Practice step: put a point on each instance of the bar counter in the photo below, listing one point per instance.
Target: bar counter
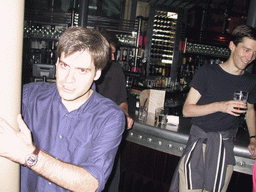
(174, 141)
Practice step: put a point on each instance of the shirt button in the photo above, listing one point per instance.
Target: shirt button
(66, 115)
(50, 183)
(61, 136)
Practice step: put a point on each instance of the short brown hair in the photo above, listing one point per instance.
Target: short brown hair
(76, 39)
(242, 31)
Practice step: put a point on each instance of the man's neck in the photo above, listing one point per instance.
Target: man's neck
(228, 66)
(75, 104)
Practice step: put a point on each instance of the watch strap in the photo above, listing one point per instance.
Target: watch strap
(36, 151)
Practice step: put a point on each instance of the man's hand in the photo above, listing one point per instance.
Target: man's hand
(233, 107)
(252, 148)
(129, 122)
(15, 145)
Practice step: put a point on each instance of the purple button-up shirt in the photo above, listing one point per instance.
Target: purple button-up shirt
(87, 137)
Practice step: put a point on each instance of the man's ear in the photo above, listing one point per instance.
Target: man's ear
(97, 74)
(231, 45)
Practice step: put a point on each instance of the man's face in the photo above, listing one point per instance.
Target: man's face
(74, 77)
(244, 53)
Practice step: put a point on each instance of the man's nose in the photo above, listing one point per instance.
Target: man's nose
(70, 76)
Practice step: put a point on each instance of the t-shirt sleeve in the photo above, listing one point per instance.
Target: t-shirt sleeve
(199, 80)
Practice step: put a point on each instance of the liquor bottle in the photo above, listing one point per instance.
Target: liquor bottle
(124, 54)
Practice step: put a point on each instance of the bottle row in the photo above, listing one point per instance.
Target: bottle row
(163, 37)
(161, 59)
(44, 31)
(207, 49)
(152, 83)
(125, 54)
(164, 20)
(127, 39)
(129, 54)
(165, 16)
(161, 49)
(139, 67)
(160, 70)
(163, 28)
(167, 44)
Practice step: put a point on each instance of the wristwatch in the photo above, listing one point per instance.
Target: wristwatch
(32, 159)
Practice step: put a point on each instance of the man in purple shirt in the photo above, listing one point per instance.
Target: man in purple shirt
(76, 131)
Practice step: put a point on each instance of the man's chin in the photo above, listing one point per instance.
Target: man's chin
(67, 97)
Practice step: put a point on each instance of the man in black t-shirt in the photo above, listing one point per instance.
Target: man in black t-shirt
(112, 81)
(207, 162)
(112, 85)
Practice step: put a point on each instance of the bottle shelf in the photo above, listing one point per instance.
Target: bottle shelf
(163, 38)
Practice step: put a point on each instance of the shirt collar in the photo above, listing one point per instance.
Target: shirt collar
(82, 109)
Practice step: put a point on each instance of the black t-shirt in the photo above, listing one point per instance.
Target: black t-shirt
(214, 84)
(112, 83)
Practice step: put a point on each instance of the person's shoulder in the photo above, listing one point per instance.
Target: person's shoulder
(250, 75)
(104, 103)
(116, 66)
(207, 68)
(39, 86)
(35, 89)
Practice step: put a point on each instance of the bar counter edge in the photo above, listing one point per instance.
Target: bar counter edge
(174, 142)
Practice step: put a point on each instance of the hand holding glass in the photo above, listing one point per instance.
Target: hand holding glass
(241, 96)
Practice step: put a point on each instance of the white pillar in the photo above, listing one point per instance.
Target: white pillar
(11, 39)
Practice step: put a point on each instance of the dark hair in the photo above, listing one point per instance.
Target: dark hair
(243, 31)
(76, 39)
(110, 36)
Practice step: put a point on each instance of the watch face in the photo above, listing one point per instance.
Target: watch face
(31, 160)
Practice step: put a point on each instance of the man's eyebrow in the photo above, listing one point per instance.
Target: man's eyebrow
(84, 68)
(247, 47)
(62, 62)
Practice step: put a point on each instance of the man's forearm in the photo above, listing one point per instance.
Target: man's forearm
(68, 176)
(124, 107)
(250, 121)
(194, 110)
(129, 120)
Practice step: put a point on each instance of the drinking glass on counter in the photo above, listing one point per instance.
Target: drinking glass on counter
(161, 117)
(143, 113)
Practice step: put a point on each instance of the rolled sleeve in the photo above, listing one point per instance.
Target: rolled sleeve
(105, 146)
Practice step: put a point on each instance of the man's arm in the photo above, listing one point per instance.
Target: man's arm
(129, 120)
(16, 145)
(68, 176)
(191, 109)
(250, 121)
